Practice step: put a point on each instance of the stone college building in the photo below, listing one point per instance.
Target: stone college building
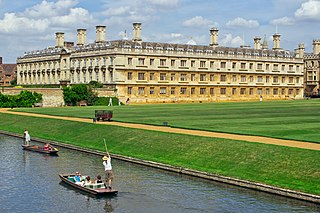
(151, 72)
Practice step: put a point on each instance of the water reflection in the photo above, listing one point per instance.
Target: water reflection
(30, 182)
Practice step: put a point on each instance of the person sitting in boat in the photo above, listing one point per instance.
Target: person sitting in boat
(78, 179)
(47, 147)
(99, 180)
(87, 181)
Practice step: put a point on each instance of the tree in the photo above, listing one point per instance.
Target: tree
(23, 99)
(79, 92)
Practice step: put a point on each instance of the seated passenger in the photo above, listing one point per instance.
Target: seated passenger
(78, 179)
(99, 179)
(87, 181)
(46, 147)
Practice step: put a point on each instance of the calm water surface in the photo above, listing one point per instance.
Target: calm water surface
(30, 183)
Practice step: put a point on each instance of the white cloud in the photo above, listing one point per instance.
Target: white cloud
(49, 9)
(117, 11)
(241, 22)
(164, 3)
(198, 21)
(283, 21)
(309, 10)
(78, 16)
(11, 23)
(230, 41)
(45, 17)
(176, 35)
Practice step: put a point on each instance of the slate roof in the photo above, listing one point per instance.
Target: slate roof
(160, 46)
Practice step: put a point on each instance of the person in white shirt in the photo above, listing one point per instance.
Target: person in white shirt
(108, 170)
(26, 137)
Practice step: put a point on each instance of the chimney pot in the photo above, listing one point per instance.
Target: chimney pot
(316, 46)
(137, 31)
(214, 37)
(257, 43)
(59, 39)
(100, 34)
(276, 41)
(82, 37)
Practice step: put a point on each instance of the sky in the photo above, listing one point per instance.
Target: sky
(27, 25)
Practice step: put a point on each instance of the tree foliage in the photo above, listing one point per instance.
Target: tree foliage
(23, 99)
(95, 84)
(79, 92)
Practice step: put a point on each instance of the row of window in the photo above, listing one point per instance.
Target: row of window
(211, 77)
(74, 78)
(74, 62)
(211, 91)
(212, 64)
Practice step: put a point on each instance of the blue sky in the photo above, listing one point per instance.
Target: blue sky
(27, 25)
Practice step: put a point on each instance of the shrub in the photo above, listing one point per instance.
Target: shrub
(23, 99)
(79, 92)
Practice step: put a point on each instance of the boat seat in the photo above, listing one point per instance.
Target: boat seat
(95, 185)
(71, 179)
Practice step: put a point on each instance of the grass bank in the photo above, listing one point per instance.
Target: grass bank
(285, 167)
(296, 120)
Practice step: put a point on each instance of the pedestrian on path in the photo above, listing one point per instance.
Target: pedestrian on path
(110, 102)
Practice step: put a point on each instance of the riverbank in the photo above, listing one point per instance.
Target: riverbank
(275, 166)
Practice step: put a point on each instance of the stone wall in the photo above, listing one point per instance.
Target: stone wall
(51, 97)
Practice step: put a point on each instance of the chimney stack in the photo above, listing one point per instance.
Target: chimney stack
(301, 50)
(82, 37)
(214, 37)
(0, 60)
(276, 41)
(137, 31)
(257, 43)
(59, 39)
(100, 34)
(316, 46)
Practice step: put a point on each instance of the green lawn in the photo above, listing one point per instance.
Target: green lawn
(286, 167)
(297, 120)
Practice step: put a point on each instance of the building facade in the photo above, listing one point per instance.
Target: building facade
(312, 71)
(151, 72)
(7, 73)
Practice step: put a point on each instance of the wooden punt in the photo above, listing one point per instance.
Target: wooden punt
(94, 189)
(40, 149)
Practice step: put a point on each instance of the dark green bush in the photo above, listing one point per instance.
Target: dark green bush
(23, 99)
(79, 92)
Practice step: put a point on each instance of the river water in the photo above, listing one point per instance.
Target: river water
(30, 183)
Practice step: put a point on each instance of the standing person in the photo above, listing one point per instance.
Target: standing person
(108, 170)
(110, 102)
(260, 97)
(128, 101)
(26, 137)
